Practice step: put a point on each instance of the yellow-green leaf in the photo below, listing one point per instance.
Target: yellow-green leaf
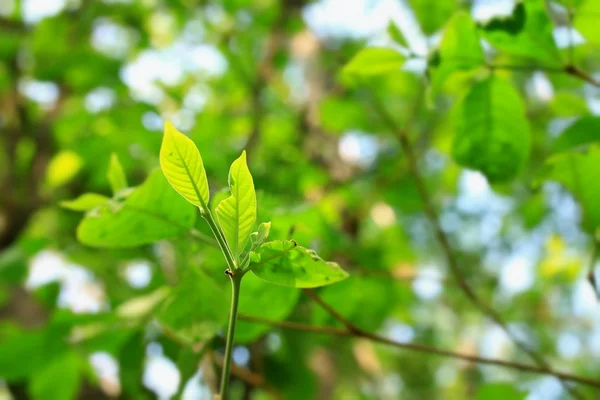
(285, 263)
(116, 174)
(237, 213)
(374, 61)
(182, 165)
(85, 202)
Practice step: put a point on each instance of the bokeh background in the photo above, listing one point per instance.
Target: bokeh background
(83, 79)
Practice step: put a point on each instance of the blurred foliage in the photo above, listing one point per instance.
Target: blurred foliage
(110, 285)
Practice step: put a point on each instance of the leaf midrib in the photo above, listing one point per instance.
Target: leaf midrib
(187, 171)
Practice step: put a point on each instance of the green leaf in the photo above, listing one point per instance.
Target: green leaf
(262, 299)
(396, 34)
(499, 391)
(586, 21)
(432, 14)
(526, 33)
(584, 131)
(197, 308)
(285, 263)
(237, 213)
(59, 379)
(580, 173)
(85, 202)
(182, 165)
(257, 238)
(141, 306)
(374, 61)
(152, 212)
(116, 174)
(492, 133)
(460, 49)
(20, 355)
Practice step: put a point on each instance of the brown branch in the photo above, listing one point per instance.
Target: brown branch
(591, 276)
(249, 377)
(442, 239)
(578, 73)
(359, 333)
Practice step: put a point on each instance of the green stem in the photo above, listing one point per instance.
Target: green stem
(220, 239)
(236, 281)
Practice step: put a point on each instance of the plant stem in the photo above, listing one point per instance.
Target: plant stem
(236, 281)
(207, 215)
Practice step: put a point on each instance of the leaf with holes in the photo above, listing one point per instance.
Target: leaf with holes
(182, 165)
(151, 212)
(492, 134)
(285, 263)
(237, 213)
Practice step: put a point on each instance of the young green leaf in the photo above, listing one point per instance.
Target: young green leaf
(374, 61)
(237, 213)
(492, 134)
(116, 174)
(182, 165)
(85, 202)
(285, 263)
(257, 238)
(396, 34)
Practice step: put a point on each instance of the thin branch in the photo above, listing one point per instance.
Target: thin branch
(248, 377)
(457, 273)
(591, 276)
(578, 73)
(358, 333)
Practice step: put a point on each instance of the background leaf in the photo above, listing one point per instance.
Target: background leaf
(151, 212)
(116, 174)
(374, 61)
(85, 202)
(486, 140)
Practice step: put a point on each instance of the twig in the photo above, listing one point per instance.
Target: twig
(359, 333)
(248, 376)
(442, 239)
(591, 276)
(576, 72)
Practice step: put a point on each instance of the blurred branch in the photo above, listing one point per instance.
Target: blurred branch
(591, 276)
(264, 71)
(568, 69)
(353, 331)
(11, 25)
(442, 239)
(248, 377)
